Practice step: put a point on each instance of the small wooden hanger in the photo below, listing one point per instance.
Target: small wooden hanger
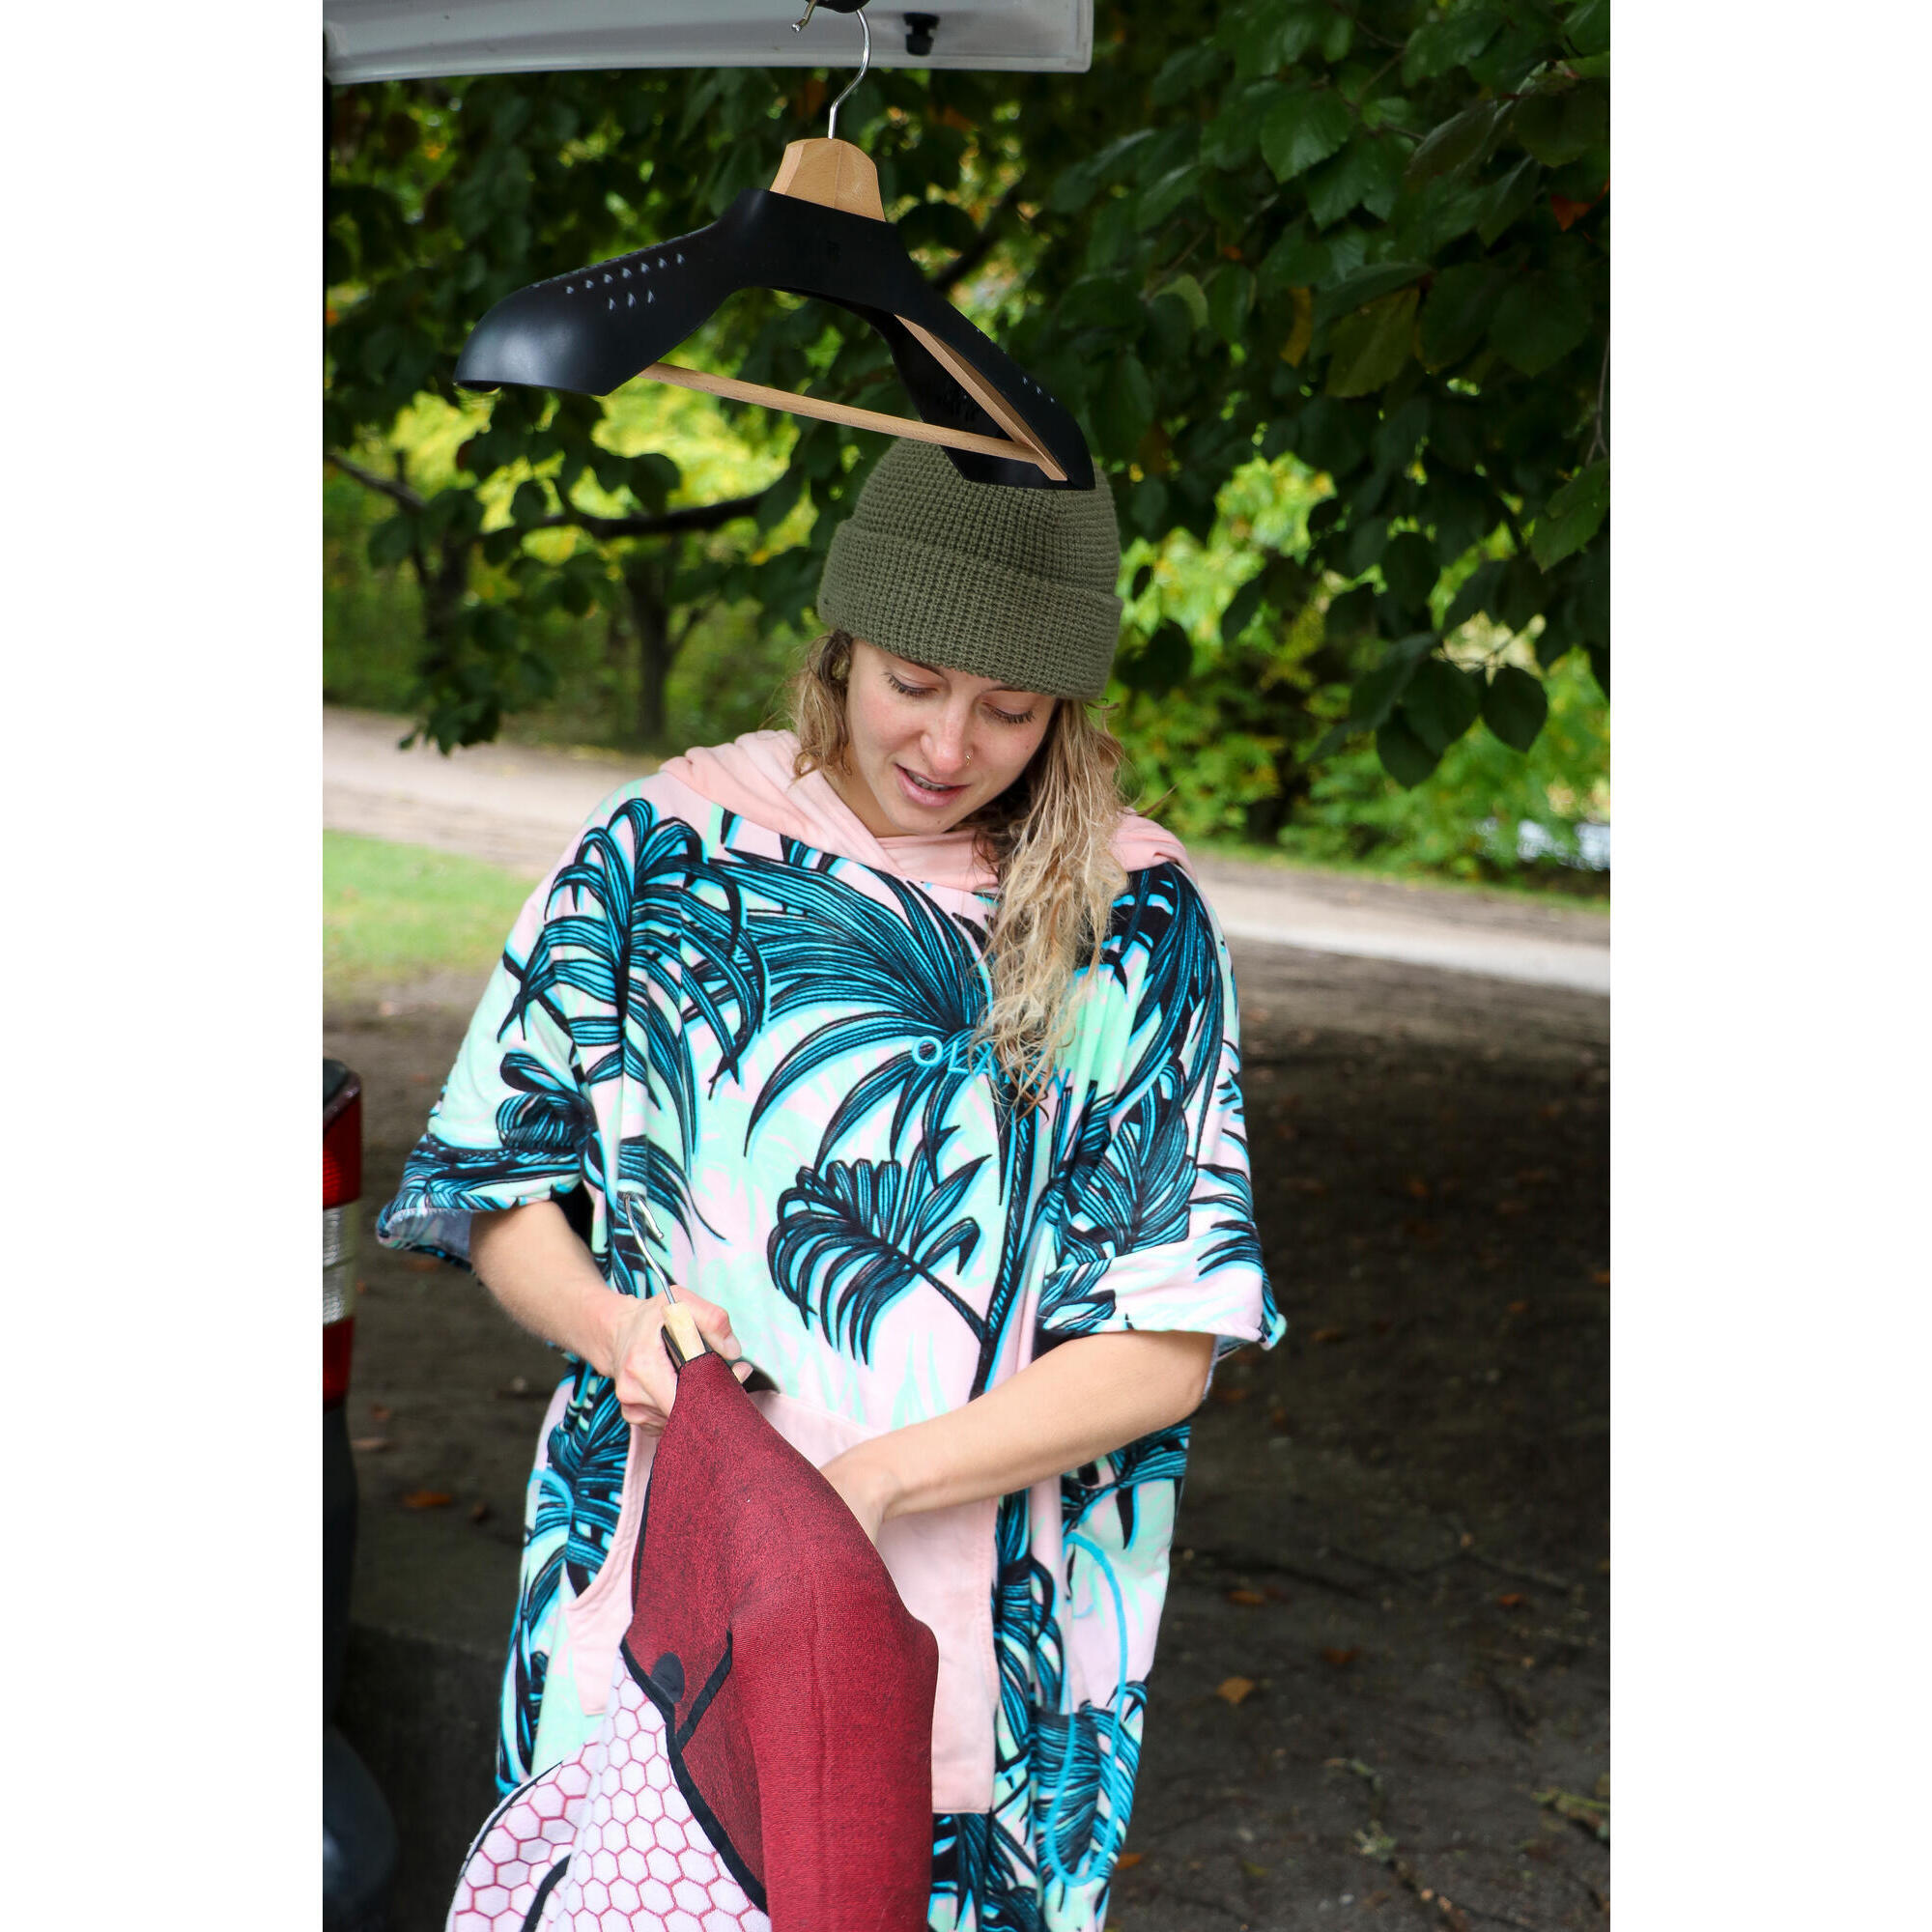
(834, 174)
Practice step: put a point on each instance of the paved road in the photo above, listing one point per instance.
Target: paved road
(517, 806)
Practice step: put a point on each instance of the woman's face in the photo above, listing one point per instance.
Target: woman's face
(929, 748)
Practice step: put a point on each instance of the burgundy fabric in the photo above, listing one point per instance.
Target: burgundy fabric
(796, 1687)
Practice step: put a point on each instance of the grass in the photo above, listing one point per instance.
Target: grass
(392, 913)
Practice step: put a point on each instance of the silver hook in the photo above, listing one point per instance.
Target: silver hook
(865, 61)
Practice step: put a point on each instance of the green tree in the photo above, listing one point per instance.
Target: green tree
(1373, 238)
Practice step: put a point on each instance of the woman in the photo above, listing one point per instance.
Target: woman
(920, 1053)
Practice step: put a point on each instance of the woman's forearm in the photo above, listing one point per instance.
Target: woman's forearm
(532, 1262)
(1082, 1399)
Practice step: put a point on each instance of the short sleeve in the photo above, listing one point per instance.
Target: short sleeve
(1154, 1221)
(515, 1118)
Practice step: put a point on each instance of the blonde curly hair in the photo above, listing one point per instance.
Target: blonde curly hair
(1048, 838)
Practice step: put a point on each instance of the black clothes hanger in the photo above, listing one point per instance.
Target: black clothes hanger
(818, 230)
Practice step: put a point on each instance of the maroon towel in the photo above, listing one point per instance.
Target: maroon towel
(795, 1687)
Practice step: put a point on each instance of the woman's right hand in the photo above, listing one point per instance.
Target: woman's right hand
(646, 1382)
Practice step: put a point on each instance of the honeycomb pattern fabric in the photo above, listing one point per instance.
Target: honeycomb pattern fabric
(617, 1832)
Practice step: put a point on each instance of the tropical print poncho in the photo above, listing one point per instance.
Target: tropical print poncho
(772, 1043)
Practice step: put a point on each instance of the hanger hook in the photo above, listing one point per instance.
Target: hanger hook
(864, 61)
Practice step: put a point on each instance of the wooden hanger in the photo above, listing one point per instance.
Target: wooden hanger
(835, 174)
(819, 230)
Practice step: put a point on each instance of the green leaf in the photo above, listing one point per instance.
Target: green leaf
(1231, 295)
(1573, 516)
(1365, 285)
(1147, 508)
(1369, 348)
(1124, 409)
(1514, 706)
(1241, 610)
(1376, 692)
(1078, 185)
(1302, 26)
(530, 502)
(1366, 174)
(1193, 67)
(1538, 322)
(1168, 193)
(1560, 126)
(1168, 336)
(1475, 594)
(1599, 667)
(1512, 198)
(1589, 27)
(653, 477)
(1441, 44)
(937, 225)
(1405, 757)
(1410, 569)
(1459, 140)
(1521, 593)
(1367, 540)
(1303, 128)
(1512, 54)
(1163, 663)
(1101, 302)
(1231, 138)
(1441, 703)
(1186, 291)
(1456, 312)
(391, 540)
(1330, 741)
(1349, 615)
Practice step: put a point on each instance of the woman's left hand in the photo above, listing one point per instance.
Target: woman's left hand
(864, 1485)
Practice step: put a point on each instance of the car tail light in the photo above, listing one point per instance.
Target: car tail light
(341, 1217)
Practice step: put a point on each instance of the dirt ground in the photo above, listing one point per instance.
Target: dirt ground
(1382, 1695)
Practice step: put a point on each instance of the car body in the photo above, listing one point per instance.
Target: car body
(358, 1836)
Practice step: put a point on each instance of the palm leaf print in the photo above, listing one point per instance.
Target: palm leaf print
(900, 975)
(1157, 1458)
(853, 1237)
(1127, 1186)
(636, 931)
(1088, 1762)
(1180, 1012)
(551, 1117)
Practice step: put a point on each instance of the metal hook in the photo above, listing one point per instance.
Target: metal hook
(864, 61)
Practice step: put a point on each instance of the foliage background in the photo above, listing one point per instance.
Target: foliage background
(1327, 285)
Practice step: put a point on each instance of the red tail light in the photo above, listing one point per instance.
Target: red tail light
(338, 1340)
(341, 1215)
(342, 1152)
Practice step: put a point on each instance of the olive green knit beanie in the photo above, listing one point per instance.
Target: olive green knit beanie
(1005, 582)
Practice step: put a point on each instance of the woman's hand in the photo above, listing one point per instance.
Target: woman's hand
(865, 1485)
(646, 1382)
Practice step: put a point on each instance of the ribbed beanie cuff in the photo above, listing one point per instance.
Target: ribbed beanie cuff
(1010, 583)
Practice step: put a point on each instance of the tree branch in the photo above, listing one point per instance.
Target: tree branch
(384, 486)
(666, 524)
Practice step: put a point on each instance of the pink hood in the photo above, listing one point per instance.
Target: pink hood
(752, 776)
